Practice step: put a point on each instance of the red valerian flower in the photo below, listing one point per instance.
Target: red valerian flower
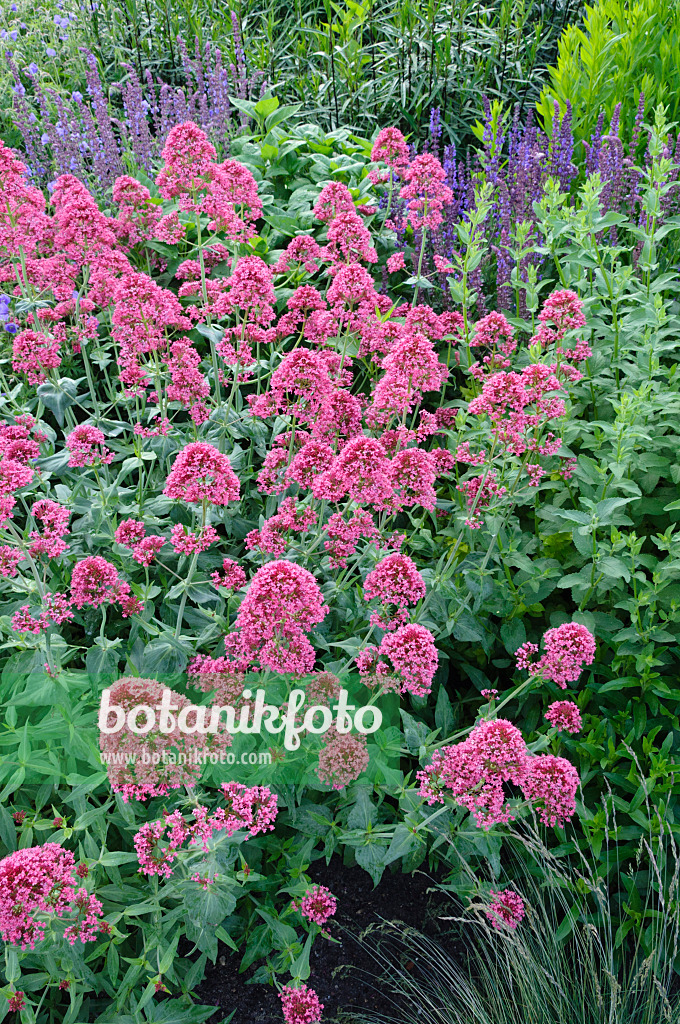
(202, 473)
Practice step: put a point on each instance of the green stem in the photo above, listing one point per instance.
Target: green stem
(180, 613)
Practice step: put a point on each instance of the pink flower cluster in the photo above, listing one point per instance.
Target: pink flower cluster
(425, 191)
(318, 904)
(56, 609)
(37, 885)
(567, 649)
(496, 335)
(201, 473)
(35, 354)
(189, 542)
(232, 576)
(564, 714)
(475, 771)
(395, 581)
(191, 176)
(95, 582)
(300, 1005)
(390, 148)
(283, 603)
(87, 448)
(9, 559)
(54, 519)
(506, 909)
(273, 536)
(411, 660)
(480, 492)
(13, 476)
(521, 405)
(158, 843)
(562, 312)
(132, 534)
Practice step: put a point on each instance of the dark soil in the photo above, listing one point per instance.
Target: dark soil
(343, 974)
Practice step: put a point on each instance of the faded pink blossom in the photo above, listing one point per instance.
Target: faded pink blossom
(342, 759)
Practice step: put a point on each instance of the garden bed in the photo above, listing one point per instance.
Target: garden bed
(343, 973)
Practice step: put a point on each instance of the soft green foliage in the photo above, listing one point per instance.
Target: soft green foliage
(622, 50)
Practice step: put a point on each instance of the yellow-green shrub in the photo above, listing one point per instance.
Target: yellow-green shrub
(623, 49)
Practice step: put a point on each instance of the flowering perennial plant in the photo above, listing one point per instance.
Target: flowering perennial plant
(244, 454)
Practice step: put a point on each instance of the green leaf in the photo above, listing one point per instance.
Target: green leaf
(113, 858)
(443, 713)
(58, 397)
(513, 634)
(211, 905)
(259, 945)
(300, 966)
(112, 963)
(101, 664)
(169, 955)
(8, 831)
(163, 656)
(14, 783)
(284, 935)
(363, 813)
(266, 106)
(415, 733)
(212, 332)
(404, 842)
(372, 859)
(466, 628)
(245, 106)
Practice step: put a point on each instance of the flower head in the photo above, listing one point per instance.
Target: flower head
(390, 148)
(202, 473)
(282, 604)
(551, 782)
(318, 904)
(87, 447)
(35, 355)
(564, 714)
(567, 649)
(300, 1005)
(342, 759)
(506, 910)
(37, 883)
